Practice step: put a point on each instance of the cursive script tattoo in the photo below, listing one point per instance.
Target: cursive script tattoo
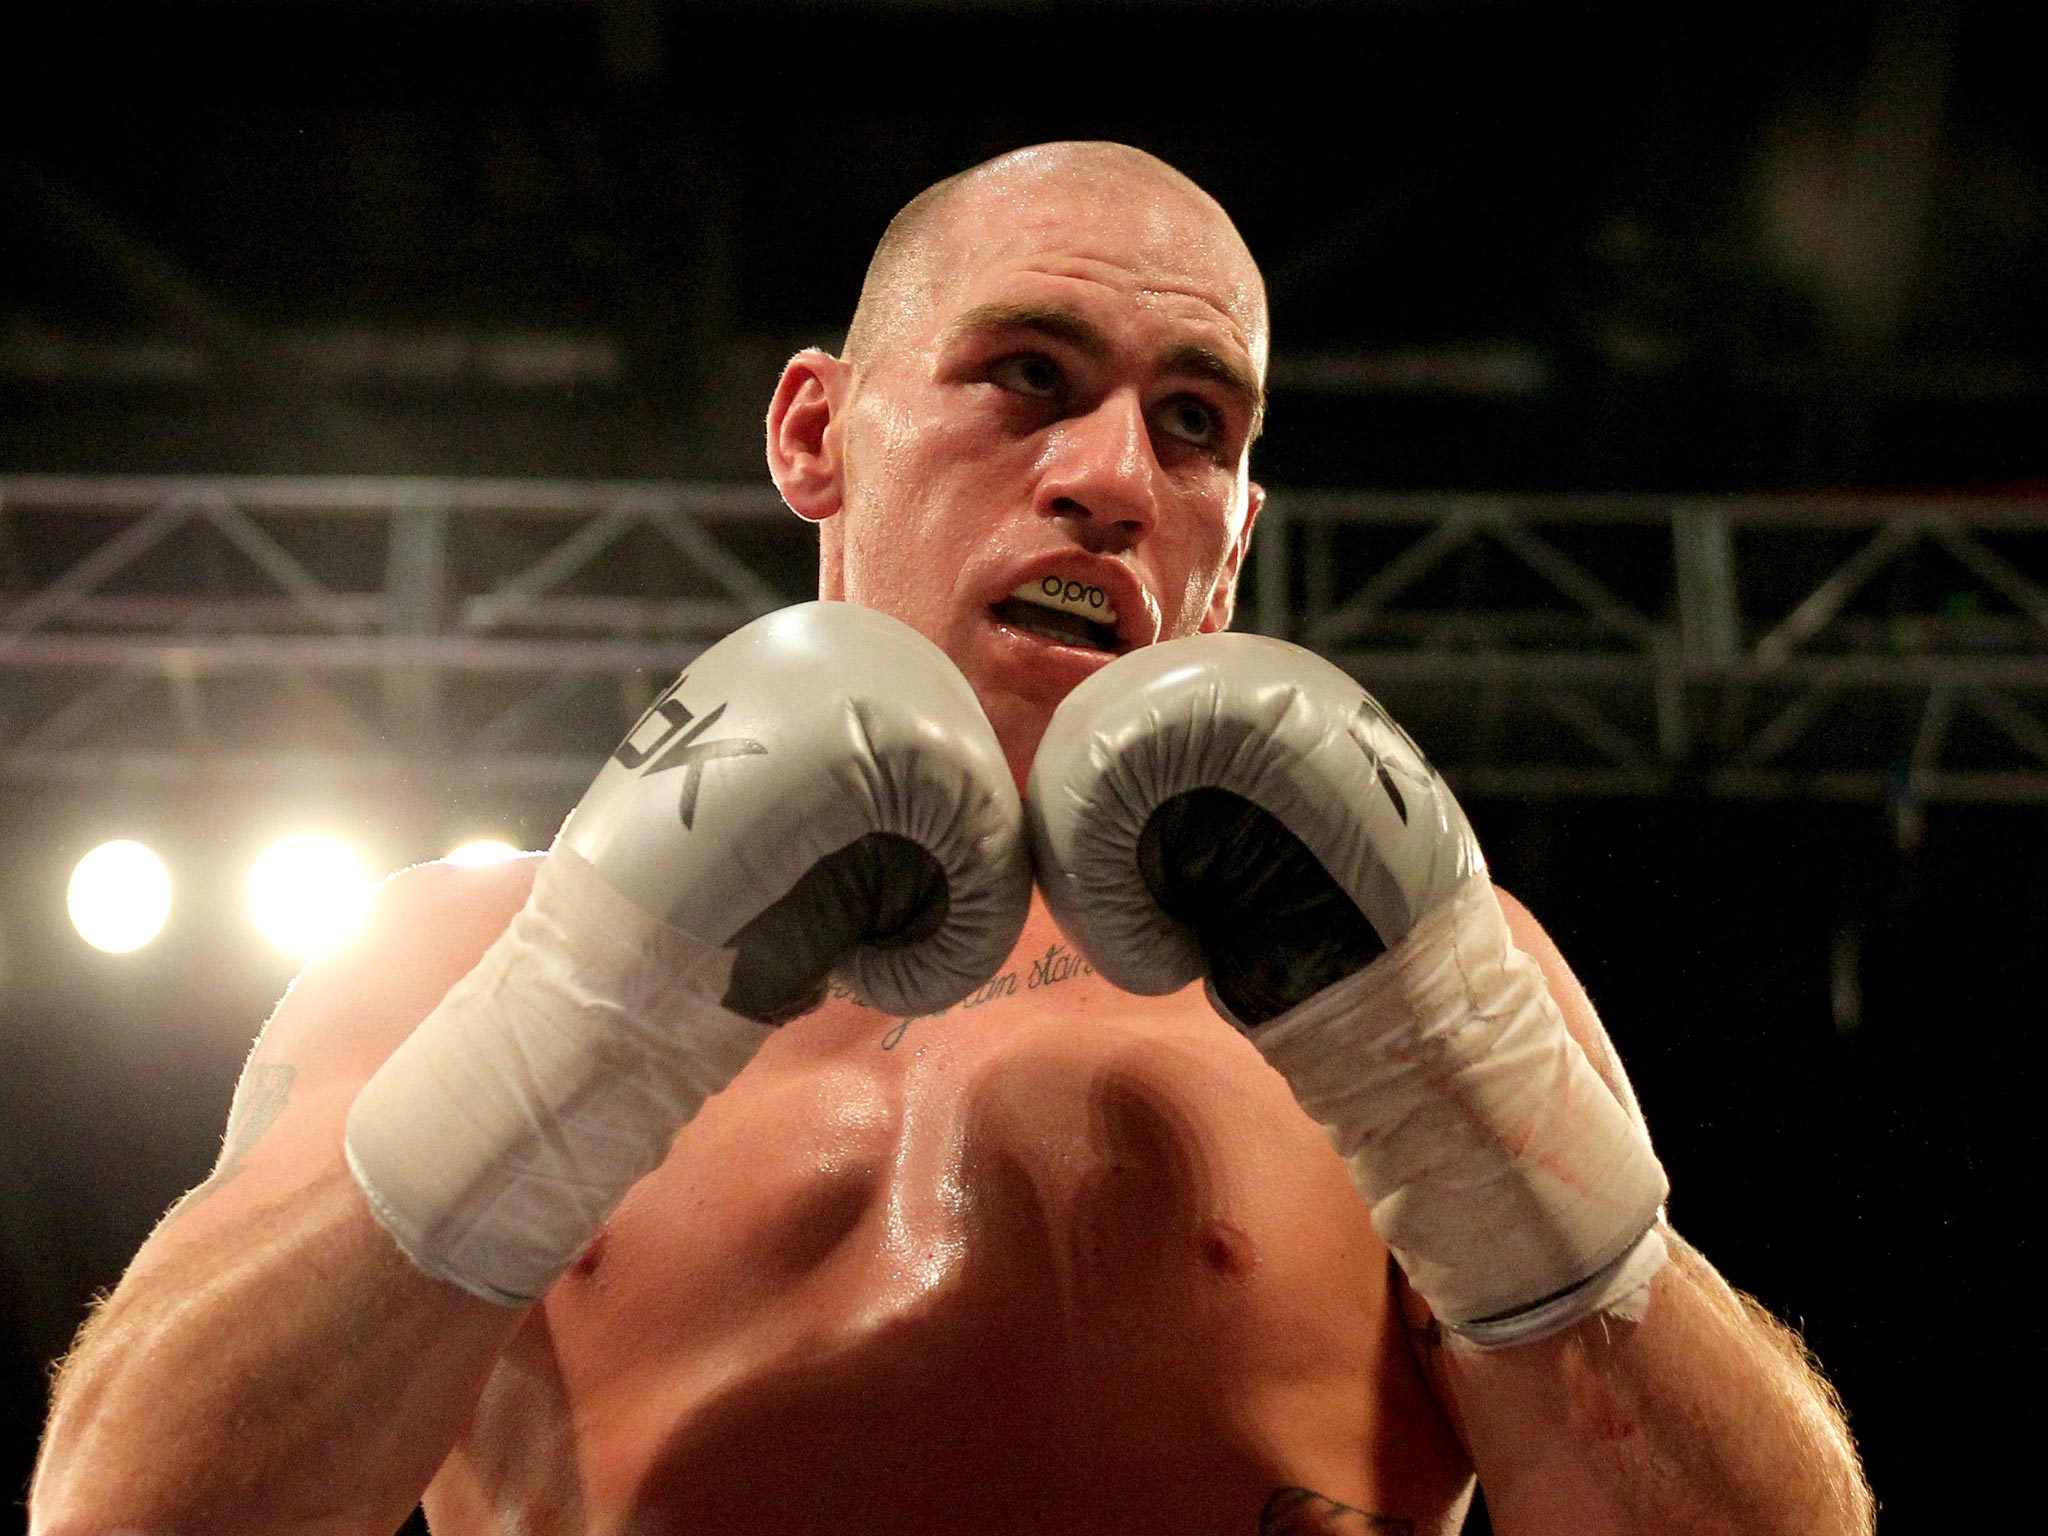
(1057, 965)
(995, 987)
(1301, 1512)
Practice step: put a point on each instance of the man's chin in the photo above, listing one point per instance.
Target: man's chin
(1020, 680)
(1019, 726)
(1031, 666)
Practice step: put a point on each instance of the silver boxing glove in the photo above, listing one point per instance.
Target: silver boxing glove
(819, 794)
(1237, 809)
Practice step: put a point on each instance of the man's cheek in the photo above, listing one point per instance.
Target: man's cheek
(1203, 584)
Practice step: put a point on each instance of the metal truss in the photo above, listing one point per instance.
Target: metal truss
(352, 629)
(1892, 649)
(356, 630)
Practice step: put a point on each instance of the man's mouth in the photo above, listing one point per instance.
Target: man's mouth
(1063, 611)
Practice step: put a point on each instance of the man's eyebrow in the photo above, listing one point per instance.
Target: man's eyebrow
(1046, 319)
(1220, 370)
(1059, 324)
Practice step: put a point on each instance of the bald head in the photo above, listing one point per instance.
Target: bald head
(1060, 357)
(922, 249)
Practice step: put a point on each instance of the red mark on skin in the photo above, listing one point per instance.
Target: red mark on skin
(588, 1260)
(1611, 1426)
(1228, 1250)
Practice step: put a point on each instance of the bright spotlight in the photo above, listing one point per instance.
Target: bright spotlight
(119, 897)
(308, 893)
(483, 850)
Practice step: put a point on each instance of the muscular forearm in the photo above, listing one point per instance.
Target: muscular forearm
(290, 1372)
(1705, 1416)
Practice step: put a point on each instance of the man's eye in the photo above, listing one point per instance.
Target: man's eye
(1191, 420)
(1027, 375)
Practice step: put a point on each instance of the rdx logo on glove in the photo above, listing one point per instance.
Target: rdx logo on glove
(681, 745)
(1417, 772)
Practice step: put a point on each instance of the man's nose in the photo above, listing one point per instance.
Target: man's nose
(1101, 472)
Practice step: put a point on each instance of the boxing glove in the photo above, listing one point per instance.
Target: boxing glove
(1236, 809)
(819, 795)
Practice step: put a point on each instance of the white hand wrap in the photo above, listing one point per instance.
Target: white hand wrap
(497, 1139)
(1496, 1163)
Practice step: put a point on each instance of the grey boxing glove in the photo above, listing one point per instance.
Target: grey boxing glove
(820, 794)
(1236, 809)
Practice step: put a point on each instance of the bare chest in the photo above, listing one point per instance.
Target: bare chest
(1016, 1261)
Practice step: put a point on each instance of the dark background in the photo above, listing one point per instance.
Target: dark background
(1510, 247)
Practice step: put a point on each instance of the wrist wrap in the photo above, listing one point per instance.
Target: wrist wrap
(496, 1140)
(1515, 1190)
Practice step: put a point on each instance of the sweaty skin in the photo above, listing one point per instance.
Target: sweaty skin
(1059, 1259)
(1071, 388)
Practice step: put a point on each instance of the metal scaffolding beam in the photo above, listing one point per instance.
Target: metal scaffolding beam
(395, 630)
(1834, 647)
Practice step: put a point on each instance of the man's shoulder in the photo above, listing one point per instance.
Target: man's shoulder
(427, 924)
(452, 898)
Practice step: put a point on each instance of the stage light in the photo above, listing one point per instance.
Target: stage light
(308, 893)
(482, 850)
(120, 895)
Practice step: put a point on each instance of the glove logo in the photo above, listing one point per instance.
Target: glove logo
(680, 746)
(1418, 772)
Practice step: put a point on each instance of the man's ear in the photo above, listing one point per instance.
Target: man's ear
(805, 425)
(1223, 600)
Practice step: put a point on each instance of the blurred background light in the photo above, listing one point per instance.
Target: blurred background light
(120, 896)
(482, 850)
(308, 893)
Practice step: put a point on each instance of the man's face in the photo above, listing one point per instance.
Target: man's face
(1071, 413)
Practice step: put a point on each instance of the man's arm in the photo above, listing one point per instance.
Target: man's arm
(1233, 807)
(271, 1361)
(486, 1095)
(1705, 1416)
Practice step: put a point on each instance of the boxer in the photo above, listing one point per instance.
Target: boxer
(990, 1051)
